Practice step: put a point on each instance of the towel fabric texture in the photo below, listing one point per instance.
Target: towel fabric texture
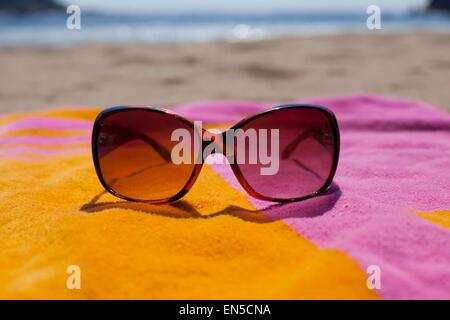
(389, 207)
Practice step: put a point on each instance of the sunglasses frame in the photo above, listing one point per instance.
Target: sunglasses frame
(234, 166)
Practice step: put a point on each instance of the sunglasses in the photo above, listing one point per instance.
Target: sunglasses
(137, 152)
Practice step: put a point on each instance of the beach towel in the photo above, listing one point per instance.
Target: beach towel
(387, 214)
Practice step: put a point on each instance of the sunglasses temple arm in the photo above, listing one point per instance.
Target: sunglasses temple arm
(136, 135)
(310, 133)
(162, 151)
(289, 149)
(113, 181)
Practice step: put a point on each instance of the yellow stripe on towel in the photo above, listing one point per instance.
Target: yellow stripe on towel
(441, 217)
(197, 248)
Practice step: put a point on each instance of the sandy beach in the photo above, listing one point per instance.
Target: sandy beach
(411, 65)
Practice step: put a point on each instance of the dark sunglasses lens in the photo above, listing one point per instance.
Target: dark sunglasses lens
(295, 164)
(134, 154)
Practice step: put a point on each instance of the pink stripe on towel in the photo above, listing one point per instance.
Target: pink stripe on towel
(227, 111)
(40, 151)
(48, 123)
(44, 140)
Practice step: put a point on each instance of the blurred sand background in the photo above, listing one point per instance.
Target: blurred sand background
(412, 65)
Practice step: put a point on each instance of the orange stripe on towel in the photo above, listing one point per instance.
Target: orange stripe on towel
(441, 217)
(211, 245)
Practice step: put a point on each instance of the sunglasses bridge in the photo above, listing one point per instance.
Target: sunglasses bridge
(216, 143)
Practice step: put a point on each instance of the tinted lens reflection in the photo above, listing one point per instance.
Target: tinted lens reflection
(134, 154)
(306, 153)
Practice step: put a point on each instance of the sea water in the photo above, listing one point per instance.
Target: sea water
(51, 29)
